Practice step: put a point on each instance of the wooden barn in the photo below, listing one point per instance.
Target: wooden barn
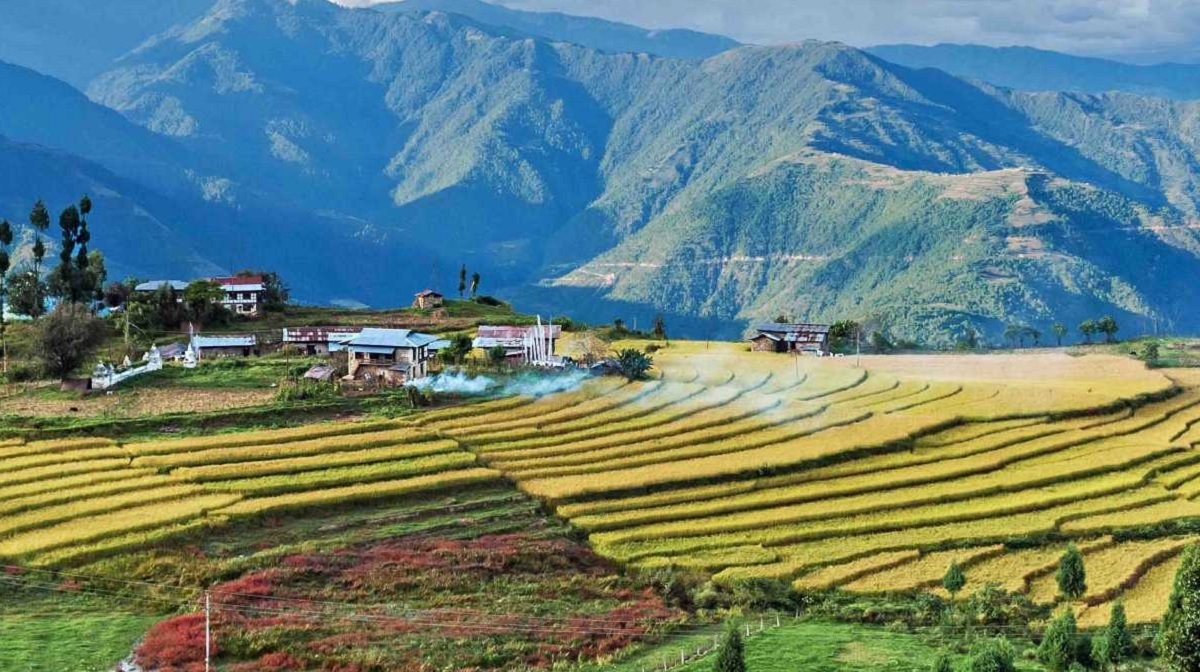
(804, 339)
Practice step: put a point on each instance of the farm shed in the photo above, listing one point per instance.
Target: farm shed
(390, 356)
(806, 339)
(224, 346)
(428, 299)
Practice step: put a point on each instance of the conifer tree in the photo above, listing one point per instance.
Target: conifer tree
(732, 655)
(1114, 644)
(1179, 639)
(1057, 650)
(6, 238)
(39, 219)
(1071, 577)
(954, 580)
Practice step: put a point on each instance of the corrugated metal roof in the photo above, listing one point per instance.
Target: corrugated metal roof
(319, 334)
(224, 341)
(389, 338)
(503, 332)
(778, 328)
(154, 285)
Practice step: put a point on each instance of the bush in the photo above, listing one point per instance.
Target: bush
(991, 655)
(1058, 648)
(634, 364)
(67, 337)
(757, 594)
(488, 301)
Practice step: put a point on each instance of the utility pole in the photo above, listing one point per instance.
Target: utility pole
(858, 347)
(207, 630)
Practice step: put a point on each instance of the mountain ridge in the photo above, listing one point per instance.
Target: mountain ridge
(1027, 68)
(421, 140)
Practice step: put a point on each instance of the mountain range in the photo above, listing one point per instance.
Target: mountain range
(599, 170)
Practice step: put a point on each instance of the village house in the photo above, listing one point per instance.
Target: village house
(391, 357)
(804, 339)
(519, 342)
(154, 285)
(208, 347)
(428, 299)
(319, 341)
(243, 295)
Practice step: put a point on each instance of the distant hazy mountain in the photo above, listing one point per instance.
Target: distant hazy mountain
(366, 154)
(1038, 70)
(75, 40)
(590, 32)
(132, 224)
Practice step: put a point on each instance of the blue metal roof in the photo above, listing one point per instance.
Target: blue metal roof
(224, 341)
(389, 338)
(154, 285)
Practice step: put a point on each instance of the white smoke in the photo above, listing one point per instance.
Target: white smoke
(456, 382)
(534, 385)
(525, 384)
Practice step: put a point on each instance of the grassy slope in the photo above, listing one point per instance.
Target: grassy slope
(66, 633)
(834, 647)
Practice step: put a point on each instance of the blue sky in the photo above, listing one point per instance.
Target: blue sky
(1135, 30)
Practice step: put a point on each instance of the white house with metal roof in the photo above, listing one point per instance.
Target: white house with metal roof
(389, 356)
(224, 346)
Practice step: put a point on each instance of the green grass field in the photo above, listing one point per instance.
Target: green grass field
(834, 647)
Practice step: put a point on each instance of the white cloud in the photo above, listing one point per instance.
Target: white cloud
(1136, 29)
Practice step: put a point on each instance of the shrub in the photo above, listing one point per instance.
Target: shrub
(488, 301)
(67, 337)
(732, 656)
(991, 655)
(954, 580)
(1057, 650)
(634, 364)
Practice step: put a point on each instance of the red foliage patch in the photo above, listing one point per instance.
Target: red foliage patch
(452, 604)
(175, 645)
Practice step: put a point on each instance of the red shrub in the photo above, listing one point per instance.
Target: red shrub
(174, 645)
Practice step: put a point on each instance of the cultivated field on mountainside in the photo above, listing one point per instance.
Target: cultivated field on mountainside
(827, 474)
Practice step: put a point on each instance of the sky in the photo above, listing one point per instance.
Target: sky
(1134, 30)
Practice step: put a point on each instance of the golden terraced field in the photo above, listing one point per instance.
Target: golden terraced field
(818, 472)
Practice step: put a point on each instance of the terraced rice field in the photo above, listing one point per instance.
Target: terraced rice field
(817, 472)
(870, 479)
(67, 501)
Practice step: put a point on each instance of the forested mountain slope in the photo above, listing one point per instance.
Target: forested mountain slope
(422, 140)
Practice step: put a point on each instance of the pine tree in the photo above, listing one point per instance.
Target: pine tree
(954, 580)
(1114, 644)
(1057, 650)
(474, 284)
(462, 281)
(6, 238)
(732, 655)
(39, 219)
(1179, 639)
(1071, 577)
